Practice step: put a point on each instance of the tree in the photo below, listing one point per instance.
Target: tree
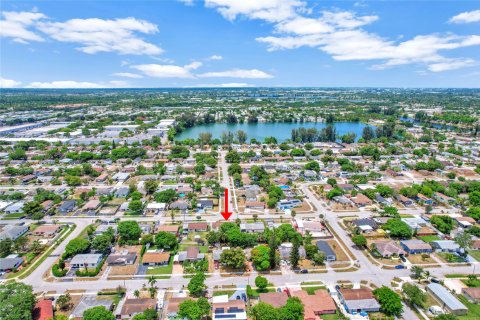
(398, 229)
(204, 137)
(265, 311)
(261, 283)
(464, 240)
(241, 136)
(129, 230)
(390, 212)
(319, 258)
(166, 240)
(312, 165)
(31, 208)
(390, 302)
(98, 313)
(17, 301)
(6, 246)
(102, 243)
(136, 206)
(273, 246)
(136, 294)
(197, 286)
(150, 186)
(234, 258)
(76, 246)
(414, 295)
(417, 272)
(166, 196)
(36, 247)
(234, 168)
(232, 157)
(261, 257)
(295, 254)
(194, 310)
(292, 310)
(63, 301)
(359, 240)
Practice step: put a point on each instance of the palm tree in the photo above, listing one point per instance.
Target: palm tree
(136, 293)
(152, 291)
(36, 247)
(152, 281)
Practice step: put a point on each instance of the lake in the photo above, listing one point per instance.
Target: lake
(280, 130)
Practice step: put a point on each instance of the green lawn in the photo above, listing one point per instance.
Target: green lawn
(221, 293)
(335, 316)
(451, 257)
(311, 287)
(428, 239)
(13, 216)
(473, 309)
(162, 269)
(475, 254)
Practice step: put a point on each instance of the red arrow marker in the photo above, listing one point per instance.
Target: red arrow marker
(226, 214)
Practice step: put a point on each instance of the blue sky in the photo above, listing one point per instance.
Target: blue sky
(56, 44)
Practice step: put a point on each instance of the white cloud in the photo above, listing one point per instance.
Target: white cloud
(214, 57)
(128, 75)
(8, 83)
(466, 17)
(99, 35)
(341, 34)
(167, 70)
(269, 10)
(451, 64)
(223, 85)
(69, 84)
(237, 73)
(16, 25)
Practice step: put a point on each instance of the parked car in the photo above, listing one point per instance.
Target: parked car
(304, 271)
(403, 258)
(400, 266)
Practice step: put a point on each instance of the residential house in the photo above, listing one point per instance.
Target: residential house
(13, 232)
(16, 207)
(205, 204)
(388, 248)
(275, 299)
(441, 198)
(231, 310)
(192, 253)
(365, 225)
(155, 258)
(134, 306)
(424, 199)
(8, 264)
(88, 302)
(358, 300)
(155, 208)
(43, 310)
(255, 205)
(285, 204)
(404, 200)
(415, 246)
(121, 259)
(91, 206)
(315, 304)
(122, 192)
(195, 227)
(67, 206)
(86, 260)
(252, 227)
(472, 294)
(47, 230)
(449, 302)
(327, 250)
(445, 246)
(286, 248)
(361, 200)
(173, 229)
